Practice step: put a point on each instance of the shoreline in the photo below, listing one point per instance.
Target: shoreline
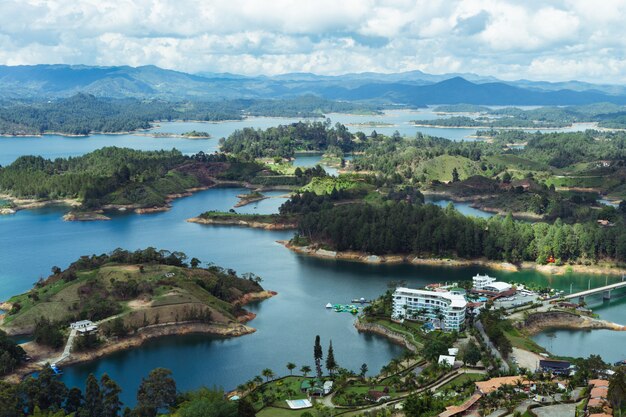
(136, 340)
(243, 223)
(21, 203)
(142, 335)
(450, 262)
(539, 322)
(592, 126)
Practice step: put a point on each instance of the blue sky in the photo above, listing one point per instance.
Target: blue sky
(540, 40)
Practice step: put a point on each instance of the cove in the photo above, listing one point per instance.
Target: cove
(33, 241)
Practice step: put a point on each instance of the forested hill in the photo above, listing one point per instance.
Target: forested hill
(286, 140)
(82, 113)
(428, 230)
(119, 176)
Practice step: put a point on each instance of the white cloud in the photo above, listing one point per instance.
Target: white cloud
(537, 39)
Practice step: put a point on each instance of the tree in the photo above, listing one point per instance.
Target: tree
(45, 392)
(245, 408)
(110, 396)
(471, 353)
(455, 175)
(305, 369)
(317, 355)
(74, 400)
(56, 270)
(291, 366)
(194, 262)
(617, 389)
(267, 373)
(94, 406)
(156, 392)
(363, 370)
(331, 364)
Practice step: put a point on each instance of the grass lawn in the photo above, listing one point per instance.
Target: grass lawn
(359, 391)
(461, 379)
(518, 340)
(408, 328)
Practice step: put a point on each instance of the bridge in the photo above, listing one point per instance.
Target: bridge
(605, 290)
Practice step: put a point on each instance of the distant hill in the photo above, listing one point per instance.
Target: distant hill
(411, 88)
(459, 90)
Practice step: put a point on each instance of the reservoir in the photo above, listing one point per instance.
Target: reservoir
(55, 146)
(31, 242)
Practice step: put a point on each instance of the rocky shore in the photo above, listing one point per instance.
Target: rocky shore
(43, 355)
(243, 223)
(538, 322)
(395, 337)
(550, 269)
(142, 335)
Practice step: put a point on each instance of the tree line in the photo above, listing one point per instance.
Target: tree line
(285, 140)
(398, 227)
(47, 396)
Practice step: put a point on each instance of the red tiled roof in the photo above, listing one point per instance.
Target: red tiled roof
(599, 392)
(456, 409)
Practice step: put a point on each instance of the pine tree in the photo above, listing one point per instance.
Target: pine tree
(317, 355)
(331, 364)
(93, 398)
(110, 396)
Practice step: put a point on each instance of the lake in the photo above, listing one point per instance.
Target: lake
(34, 241)
(31, 242)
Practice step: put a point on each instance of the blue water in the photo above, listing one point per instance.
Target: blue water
(31, 242)
(463, 208)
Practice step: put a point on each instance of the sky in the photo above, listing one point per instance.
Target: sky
(540, 40)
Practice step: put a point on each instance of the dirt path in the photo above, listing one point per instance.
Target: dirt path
(526, 359)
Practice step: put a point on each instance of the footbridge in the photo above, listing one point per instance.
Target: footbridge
(605, 291)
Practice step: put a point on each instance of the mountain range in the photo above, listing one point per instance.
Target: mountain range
(413, 88)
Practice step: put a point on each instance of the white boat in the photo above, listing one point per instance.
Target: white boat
(329, 305)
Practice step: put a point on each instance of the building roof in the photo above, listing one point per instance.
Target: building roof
(600, 415)
(596, 402)
(377, 395)
(456, 300)
(446, 359)
(498, 286)
(599, 392)
(494, 383)
(456, 409)
(551, 363)
(599, 382)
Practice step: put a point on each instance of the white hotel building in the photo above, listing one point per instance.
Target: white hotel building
(427, 305)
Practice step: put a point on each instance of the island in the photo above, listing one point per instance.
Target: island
(258, 221)
(105, 303)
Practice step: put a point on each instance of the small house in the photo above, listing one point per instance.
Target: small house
(378, 396)
(555, 366)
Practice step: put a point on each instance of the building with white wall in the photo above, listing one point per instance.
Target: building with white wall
(489, 284)
(415, 304)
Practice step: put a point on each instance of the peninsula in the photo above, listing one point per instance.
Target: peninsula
(127, 298)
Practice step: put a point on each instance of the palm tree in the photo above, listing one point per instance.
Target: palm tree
(291, 366)
(394, 364)
(305, 370)
(407, 356)
(267, 373)
(442, 320)
(257, 380)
